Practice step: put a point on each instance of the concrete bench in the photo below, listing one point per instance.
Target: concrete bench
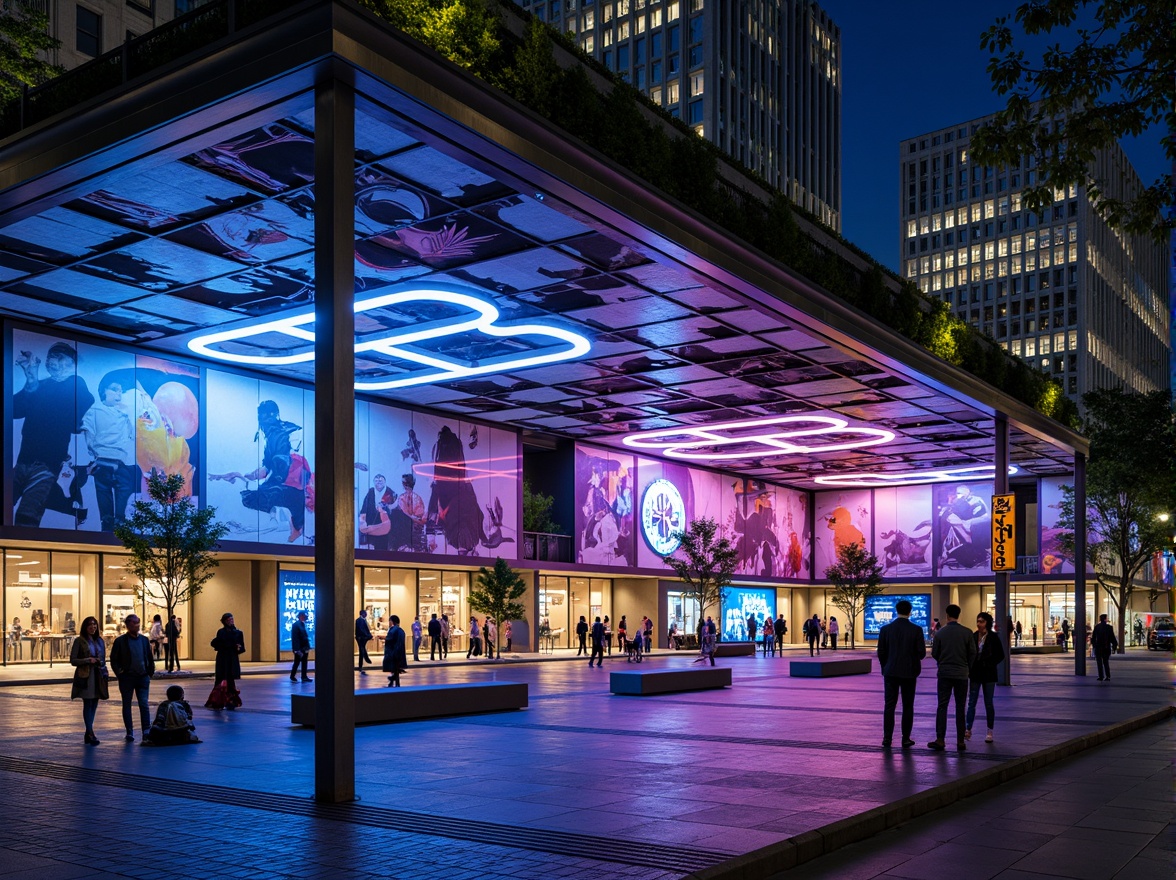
(735, 649)
(376, 705)
(819, 667)
(1038, 649)
(643, 682)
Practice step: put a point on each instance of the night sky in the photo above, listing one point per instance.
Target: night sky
(909, 68)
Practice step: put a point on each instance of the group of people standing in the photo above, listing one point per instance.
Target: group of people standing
(639, 639)
(967, 664)
(132, 660)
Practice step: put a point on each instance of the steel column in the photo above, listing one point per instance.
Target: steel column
(334, 421)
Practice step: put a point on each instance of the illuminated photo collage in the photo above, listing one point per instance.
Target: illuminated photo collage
(629, 508)
(937, 530)
(88, 423)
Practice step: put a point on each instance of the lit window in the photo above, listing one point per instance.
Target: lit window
(949, 220)
(622, 7)
(587, 44)
(622, 30)
(655, 95)
(696, 84)
(963, 157)
(924, 225)
(1030, 348)
(641, 24)
(1016, 347)
(607, 36)
(672, 12)
(672, 93)
(988, 210)
(976, 213)
(936, 223)
(655, 18)
(589, 21)
(608, 12)
(1003, 248)
(911, 229)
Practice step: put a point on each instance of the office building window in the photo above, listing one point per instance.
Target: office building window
(696, 84)
(89, 38)
(672, 93)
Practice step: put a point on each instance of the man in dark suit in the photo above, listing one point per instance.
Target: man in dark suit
(901, 649)
(597, 644)
(133, 665)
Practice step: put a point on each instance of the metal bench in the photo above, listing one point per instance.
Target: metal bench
(644, 682)
(378, 705)
(819, 667)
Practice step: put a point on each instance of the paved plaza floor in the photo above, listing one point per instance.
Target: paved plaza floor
(580, 784)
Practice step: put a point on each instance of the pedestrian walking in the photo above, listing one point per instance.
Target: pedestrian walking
(983, 674)
(88, 657)
(229, 645)
(435, 644)
(155, 634)
(752, 626)
(812, 632)
(506, 630)
(954, 650)
(622, 634)
(1103, 642)
(300, 645)
(648, 632)
(582, 636)
(901, 649)
(1065, 634)
(133, 665)
(446, 635)
(395, 657)
(475, 648)
(1019, 630)
(490, 631)
(597, 635)
(834, 631)
(171, 644)
(769, 637)
(417, 637)
(608, 634)
(363, 635)
(781, 629)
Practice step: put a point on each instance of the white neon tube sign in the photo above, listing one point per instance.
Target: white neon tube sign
(865, 480)
(483, 319)
(773, 436)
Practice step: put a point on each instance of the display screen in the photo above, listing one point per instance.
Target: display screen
(880, 611)
(295, 593)
(740, 604)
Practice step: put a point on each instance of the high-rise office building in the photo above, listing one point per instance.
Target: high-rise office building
(1063, 290)
(761, 80)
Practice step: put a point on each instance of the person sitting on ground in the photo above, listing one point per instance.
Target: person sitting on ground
(173, 721)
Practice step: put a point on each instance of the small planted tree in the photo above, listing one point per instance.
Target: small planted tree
(171, 543)
(495, 594)
(704, 562)
(855, 577)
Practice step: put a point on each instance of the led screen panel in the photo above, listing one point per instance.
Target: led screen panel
(88, 423)
(879, 611)
(742, 603)
(295, 593)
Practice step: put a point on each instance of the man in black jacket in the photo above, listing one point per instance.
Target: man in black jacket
(133, 665)
(1103, 641)
(435, 646)
(901, 649)
(582, 635)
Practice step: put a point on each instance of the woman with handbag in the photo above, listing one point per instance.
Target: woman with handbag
(228, 644)
(88, 658)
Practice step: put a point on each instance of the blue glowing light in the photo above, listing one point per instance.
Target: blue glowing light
(405, 343)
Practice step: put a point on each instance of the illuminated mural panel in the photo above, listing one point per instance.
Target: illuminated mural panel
(604, 528)
(903, 526)
(88, 423)
(841, 518)
(963, 529)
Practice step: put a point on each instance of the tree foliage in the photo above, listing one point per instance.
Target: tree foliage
(464, 31)
(1130, 486)
(496, 591)
(1116, 79)
(856, 575)
(171, 542)
(24, 36)
(537, 511)
(704, 562)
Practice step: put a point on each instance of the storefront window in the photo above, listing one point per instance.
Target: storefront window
(554, 610)
(374, 598)
(682, 612)
(26, 601)
(118, 597)
(46, 596)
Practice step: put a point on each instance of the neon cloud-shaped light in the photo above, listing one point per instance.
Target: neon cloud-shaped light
(482, 318)
(948, 475)
(774, 437)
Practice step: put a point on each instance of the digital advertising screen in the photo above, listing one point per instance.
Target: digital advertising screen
(741, 603)
(880, 611)
(295, 593)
